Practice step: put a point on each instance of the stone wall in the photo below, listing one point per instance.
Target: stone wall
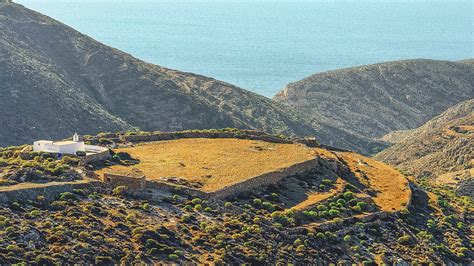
(265, 179)
(173, 188)
(96, 157)
(22, 193)
(136, 182)
(244, 134)
(131, 180)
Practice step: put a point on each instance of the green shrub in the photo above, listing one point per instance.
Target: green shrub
(34, 213)
(348, 195)
(119, 190)
(326, 182)
(196, 201)
(186, 218)
(67, 196)
(404, 240)
(58, 205)
(105, 141)
(175, 198)
(431, 224)
(84, 235)
(321, 208)
(277, 215)
(173, 257)
(362, 205)
(267, 206)
(116, 158)
(13, 248)
(257, 202)
(312, 214)
(323, 214)
(300, 248)
(146, 206)
(16, 206)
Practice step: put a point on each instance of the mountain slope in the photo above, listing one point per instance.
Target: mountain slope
(372, 100)
(55, 80)
(444, 144)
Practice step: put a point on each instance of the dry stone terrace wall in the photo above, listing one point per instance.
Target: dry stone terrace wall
(242, 134)
(135, 184)
(247, 134)
(265, 179)
(140, 183)
(23, 193)
(96, 157)
(131, 181)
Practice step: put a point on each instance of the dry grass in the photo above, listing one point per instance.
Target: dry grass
(453, 178)
(215, 163)
(316, 197)
(391, 187)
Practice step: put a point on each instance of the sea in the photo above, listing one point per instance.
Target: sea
(262, 45)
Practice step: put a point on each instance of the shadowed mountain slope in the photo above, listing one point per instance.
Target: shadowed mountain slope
(371, 101)
(444, 144)
(55, 80)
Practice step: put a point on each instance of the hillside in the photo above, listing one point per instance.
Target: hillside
(344, 208)
(443, 145)
(336, 206)
(371, 101)
(55, 80)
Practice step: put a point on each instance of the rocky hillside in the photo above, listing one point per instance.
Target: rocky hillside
(346, 208)
(443, 145)
(371, 101)
(55, 80)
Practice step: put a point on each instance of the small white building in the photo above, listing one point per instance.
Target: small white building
(63, 147)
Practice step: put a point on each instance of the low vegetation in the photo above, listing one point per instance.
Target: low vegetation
(351, 209)
(35, 167)
(107, 227)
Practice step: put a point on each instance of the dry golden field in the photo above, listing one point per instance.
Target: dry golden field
(215, 163)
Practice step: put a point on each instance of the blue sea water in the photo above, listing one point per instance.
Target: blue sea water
(262, 45)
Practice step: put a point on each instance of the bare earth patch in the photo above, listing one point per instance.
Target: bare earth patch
(215, 163)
